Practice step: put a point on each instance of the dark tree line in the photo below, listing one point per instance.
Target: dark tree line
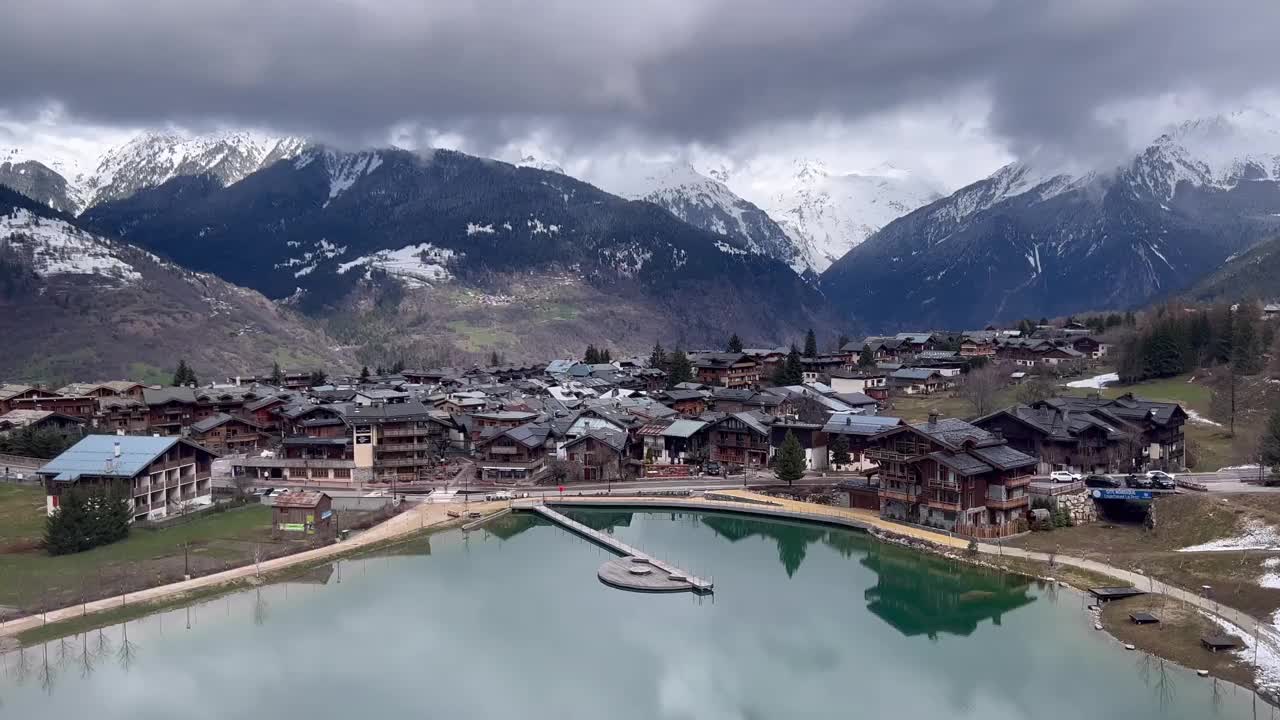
(85, 520)
(596, 356)
(39, 443)
(1176, 342)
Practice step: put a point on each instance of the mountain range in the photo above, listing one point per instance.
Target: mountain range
(75, 302)
(1029, 243)
(439, 256)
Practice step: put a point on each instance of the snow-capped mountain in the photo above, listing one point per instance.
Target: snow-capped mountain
(710, 205)
(532, 161)
(1028, 242)
(154, 158)
(827, 214)
(148, 160)
(330, 225)
(73, 302)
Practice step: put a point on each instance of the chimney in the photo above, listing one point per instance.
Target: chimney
(933, 417)
(115, 450)
(998, 433)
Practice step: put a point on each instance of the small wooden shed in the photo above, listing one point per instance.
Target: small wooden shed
(307, 512)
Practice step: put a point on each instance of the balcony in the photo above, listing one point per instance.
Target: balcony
(293, 463)
(1017, 482)
(408, 432)
(1009, 503)
(900, 494)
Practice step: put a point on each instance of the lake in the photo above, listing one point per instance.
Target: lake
(806, 622)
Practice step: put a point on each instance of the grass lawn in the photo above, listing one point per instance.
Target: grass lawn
(33, 579)
(1186, 390)
(916, 408)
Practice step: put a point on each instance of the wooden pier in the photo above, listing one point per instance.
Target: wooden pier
(673, 573)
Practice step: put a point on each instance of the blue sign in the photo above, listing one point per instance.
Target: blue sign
(1121, 494)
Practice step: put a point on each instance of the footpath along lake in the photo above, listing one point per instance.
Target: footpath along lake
(511, 621)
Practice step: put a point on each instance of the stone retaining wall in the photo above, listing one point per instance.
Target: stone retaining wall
(1080, 506)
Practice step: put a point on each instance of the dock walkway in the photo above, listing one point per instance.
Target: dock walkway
(697, 584)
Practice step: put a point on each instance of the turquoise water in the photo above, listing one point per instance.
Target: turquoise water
(805, 623)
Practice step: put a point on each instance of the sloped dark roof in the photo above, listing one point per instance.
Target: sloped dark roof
(954, 432)
(1003, 457)
(861, 425)
(214, 421)
(160, 396)
(961, 462)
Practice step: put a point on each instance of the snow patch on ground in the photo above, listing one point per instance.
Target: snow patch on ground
(57, 248)
(1196, 417)
(1266, 674)
(415, 265)
(1096, 382)
(345, 170)
(1271, 577)
(1256, 535)
(307, 262)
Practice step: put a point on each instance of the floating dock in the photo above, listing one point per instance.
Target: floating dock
(628, 573)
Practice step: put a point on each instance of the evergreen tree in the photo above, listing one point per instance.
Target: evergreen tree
(317, 378)
(1223, 323)
(735, 343)
(495, 359)
(810, 344)
(679, 369)
(1269, 443)
(840, 450)
(1246, 343)
(397, 367)
(658, 357)
(1130, 320)
(866, 359)
(842, 341)
(86, 520)
(364, 374)
(605, 356)
(790, 465)
(791, 370)
(184, 375)
(277, 375)
(591, 356)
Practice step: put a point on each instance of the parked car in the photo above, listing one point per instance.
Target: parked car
(1063, 476)
(1138, 482)
(499, 495)
(1102, 481)
(711, 468)
(1161, 479)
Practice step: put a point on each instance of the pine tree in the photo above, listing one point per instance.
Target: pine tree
(605, 356)
(810, 344)
(790, 465)
(866, 358)
(591, 356)
(495, 359)
(840, 450)
(1246, 344)
(277, 375)
(791, 370)
(658, 357)
(1269, 443)
(679, 369)
(735, 343)
(184, 375)
(364, 374)
(317, 378)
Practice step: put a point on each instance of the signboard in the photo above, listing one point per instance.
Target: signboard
(326, 514)
(293, 527)
(1121, 494)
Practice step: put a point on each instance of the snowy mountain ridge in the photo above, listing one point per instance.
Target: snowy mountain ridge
(148, 160)
(827, 214)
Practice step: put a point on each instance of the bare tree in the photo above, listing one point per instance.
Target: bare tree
(982, 387)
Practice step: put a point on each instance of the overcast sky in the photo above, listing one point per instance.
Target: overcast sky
(949, 88)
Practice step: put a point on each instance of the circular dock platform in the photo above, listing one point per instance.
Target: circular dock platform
(637, 575)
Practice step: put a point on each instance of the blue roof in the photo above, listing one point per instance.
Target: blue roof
(95, 455)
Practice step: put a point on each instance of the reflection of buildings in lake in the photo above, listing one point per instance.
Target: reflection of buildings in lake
(925, 595)
(602, 520)
(792, 540)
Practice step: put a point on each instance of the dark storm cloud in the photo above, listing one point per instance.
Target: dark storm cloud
(683, 70)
